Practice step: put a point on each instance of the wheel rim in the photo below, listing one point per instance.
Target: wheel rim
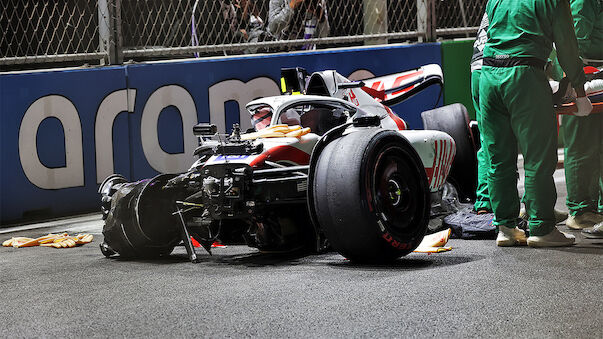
(396, 194)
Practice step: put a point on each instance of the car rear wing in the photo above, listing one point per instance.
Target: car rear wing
(394, 88)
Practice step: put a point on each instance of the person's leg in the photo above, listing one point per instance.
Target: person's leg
(601, 163)
(596, 232)
(482, 200)
(529, 98)
(501, 145)
(581, 162)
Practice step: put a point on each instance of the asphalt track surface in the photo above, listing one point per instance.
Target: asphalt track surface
(476, 290)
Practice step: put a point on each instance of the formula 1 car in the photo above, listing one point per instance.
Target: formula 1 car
(327, 165)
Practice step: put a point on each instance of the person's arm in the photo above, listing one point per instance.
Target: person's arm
(293, 4)
(553, 68)
(245, 7)
(279, 14)
(324, 28)
(567, 51)
(584, 13)
(321, 11)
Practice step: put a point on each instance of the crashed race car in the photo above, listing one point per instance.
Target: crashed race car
(328, 165)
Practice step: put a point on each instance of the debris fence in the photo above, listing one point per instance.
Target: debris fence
(64, 32)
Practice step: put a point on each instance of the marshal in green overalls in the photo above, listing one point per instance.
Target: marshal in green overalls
(583, 135)
(516, 104)
(482, 198)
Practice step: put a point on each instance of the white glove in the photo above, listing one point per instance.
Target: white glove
(584, 106)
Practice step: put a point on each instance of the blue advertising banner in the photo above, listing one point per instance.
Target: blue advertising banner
(48, 141)
(63, 132)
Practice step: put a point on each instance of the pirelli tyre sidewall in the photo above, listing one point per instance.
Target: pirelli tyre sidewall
(371, 195)
(140, 223)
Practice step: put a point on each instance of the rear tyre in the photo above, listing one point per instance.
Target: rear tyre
(454, 120)
(371, 195)
(140, 223)
(106, 189)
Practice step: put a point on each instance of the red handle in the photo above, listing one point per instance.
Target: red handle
(571, 108)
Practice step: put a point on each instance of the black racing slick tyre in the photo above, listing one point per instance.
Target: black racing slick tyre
(371, 195)
(454, 120)
(140, 223)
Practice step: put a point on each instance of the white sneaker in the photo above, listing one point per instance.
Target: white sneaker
(578, 222)
(510, 237)
(555, 238)
(595, 232)
(559, 215)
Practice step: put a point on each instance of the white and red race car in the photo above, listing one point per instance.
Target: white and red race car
(328, 164)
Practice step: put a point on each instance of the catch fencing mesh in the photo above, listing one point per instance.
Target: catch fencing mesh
(48, 28)
(41, 31)
(455, 16)
(160, 24)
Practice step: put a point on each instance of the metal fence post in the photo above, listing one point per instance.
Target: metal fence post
(426, 20)
(104, 31)
(375, 20)
(463, 15)
(118, 38)
(109, 31)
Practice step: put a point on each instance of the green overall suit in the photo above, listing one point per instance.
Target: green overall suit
(482, 200)
(516, 104)
(583, 135)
